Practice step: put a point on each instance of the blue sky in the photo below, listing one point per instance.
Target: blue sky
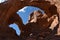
(23, 13)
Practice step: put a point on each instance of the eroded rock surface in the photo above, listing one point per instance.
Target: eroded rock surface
(57, 4)
(38, 29)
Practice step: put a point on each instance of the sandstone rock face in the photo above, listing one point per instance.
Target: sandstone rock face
(8, 16)
(57, 4)
(38, 29)
(34, 29)
(7, 33)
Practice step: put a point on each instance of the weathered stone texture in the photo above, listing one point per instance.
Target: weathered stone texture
(38, 30)
(57, 4)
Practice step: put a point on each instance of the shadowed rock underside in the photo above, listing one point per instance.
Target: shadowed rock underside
(43, 26)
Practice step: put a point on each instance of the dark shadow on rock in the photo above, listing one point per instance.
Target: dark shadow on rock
(30, 31)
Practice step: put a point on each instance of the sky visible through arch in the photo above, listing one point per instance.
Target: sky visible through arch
(23, 13)
(26, 11)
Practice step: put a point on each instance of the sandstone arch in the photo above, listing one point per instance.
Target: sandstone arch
(10, 8)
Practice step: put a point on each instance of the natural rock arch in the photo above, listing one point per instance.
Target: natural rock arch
(16, 5)
(13, 6)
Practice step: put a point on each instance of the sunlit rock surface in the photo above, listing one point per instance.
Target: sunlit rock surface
(57, 4)
(38, 29)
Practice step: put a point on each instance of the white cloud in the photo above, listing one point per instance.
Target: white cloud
(2, 1)
(23, 9)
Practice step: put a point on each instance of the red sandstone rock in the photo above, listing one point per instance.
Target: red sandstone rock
(31, 31)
